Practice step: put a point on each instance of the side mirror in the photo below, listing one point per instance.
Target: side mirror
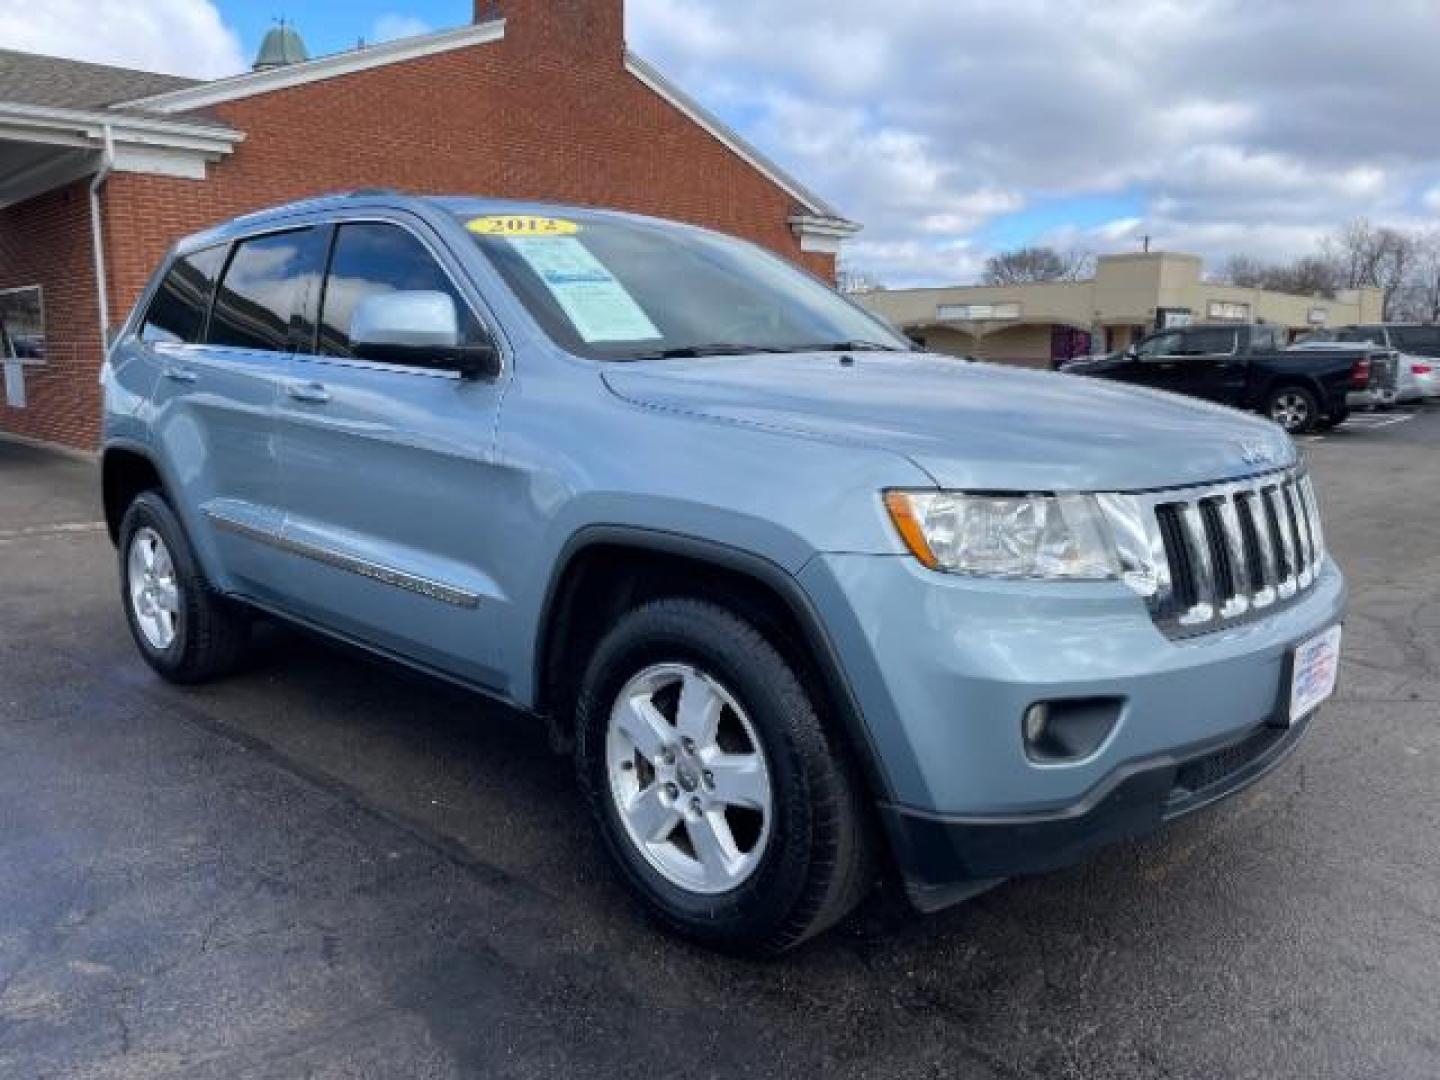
(418, 327)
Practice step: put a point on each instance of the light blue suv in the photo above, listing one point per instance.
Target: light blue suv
(812, 609)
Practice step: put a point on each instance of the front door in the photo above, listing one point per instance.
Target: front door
(387, 470)
(1209, 364)
(1155, 362)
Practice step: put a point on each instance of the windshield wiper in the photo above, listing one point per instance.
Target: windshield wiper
(719, 348)
(847, 346)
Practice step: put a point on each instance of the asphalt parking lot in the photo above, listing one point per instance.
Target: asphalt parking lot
(328, 868)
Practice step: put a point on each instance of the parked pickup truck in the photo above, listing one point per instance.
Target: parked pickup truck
(1248, 366)
(810, 609)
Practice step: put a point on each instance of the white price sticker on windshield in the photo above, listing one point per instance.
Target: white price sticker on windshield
(597, 305)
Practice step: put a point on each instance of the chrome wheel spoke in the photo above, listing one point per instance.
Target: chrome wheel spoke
(739, 780)
(697, 717)
(167, 596)
(646, 728)
(652, 819)
(714, 846)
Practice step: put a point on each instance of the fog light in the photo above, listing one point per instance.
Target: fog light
(1035, 723)
(1068, 729)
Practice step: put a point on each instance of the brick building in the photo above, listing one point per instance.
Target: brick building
(102, 168)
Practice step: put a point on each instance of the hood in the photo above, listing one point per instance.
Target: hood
(975, 426)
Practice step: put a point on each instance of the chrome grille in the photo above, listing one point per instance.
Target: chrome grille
(1222, 554)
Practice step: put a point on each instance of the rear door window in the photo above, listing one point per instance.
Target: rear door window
(177, 312)
(1208, 342)
(260, 292)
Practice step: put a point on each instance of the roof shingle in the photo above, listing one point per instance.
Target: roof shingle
(52, 82)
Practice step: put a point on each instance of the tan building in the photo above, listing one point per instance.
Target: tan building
(1130, 295)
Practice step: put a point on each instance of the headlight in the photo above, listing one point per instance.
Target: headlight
(1006, 536)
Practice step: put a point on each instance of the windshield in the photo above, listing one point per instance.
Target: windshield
(616, 289)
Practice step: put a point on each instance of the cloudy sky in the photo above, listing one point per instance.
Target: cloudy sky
(954, 128)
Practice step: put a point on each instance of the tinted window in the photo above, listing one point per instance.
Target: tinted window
(1420, 340)
(1161, 345)
(177, 312)
(1209, 342)
(371, 258)
(1365, 335)
(616, 288)
(256, 298)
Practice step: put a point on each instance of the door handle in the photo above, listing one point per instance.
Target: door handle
(313, 393)
(177, 373)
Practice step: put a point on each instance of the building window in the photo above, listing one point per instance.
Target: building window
(978, 312)
(22, 323)
(1228, 311)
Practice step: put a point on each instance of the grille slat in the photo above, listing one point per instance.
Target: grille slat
(1282, 541)
(1241, 577)
(1234, 549)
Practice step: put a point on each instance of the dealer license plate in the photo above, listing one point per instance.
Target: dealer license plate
(1316, 668)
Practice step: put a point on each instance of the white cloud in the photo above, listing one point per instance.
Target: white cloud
(179, 37)
(1234, 126)
(391, 27)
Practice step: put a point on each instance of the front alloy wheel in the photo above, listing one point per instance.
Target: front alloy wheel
(689, 779)
(725, 804)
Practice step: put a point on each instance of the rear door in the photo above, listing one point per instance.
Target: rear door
(219, 330)
(391, 490)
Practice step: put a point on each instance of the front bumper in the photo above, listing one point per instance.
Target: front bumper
(943, 669)
(946, 859)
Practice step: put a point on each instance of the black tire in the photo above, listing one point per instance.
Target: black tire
(210, 633)
(1334, 420)
(816, 865)
(1297, 404)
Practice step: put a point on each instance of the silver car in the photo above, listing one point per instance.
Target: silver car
(1418, 348)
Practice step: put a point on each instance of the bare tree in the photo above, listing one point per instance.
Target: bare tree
(1031, 264)
(1424, 295)
(1310, 275)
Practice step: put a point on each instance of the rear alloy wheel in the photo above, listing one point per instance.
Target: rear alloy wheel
(1293, 408)
(722, 800)
(184, 630)
(154, 596)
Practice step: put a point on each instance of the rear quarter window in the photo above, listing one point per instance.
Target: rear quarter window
(176, 315)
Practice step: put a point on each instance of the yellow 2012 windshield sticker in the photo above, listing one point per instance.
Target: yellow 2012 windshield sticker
(521, 225)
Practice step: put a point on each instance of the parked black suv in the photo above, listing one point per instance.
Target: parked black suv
(1247, 365)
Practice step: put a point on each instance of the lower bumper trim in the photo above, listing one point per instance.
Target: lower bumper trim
(944, 860)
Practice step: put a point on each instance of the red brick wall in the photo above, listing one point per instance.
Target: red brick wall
(46, 242)
(549, 113)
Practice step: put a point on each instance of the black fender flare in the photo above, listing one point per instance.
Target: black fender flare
(760, 569)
